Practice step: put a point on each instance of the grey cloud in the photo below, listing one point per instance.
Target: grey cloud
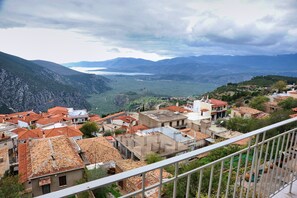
(156, 26)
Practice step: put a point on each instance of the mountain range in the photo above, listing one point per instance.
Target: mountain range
(39, 85)
(208, 68)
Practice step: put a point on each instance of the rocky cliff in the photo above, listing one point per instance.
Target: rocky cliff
(25, 85)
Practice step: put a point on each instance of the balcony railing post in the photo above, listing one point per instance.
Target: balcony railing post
(175, 180)
(273, 165)
(143, 185)
(294, 163)
(210, 181)
(237, 173)
(188, 185)
(245, 167)
(220, 179)
(254, 162)
(200, 182)
(161, 182)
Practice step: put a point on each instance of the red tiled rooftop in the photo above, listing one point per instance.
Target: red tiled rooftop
(127, 119)
(176, 109)
(47, 156)
(218, 103)
(293, 115)
(58, 110)
(67, 131)
(134, 129)
(30, 134)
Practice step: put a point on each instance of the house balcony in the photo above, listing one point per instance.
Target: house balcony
(266, 167)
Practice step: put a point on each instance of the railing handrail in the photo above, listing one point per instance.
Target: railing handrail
(138, 171)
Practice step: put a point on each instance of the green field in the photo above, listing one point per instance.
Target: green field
(105, 103)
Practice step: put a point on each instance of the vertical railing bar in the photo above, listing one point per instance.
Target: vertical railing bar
(288, 168)
(264, 166)
(188, 185)
(278, 165)
(284, 162)
(255, 158)
(175, 179)
(229, 176)
(268, 175)
(245, 167)
(294, 165)
(273, 170)
(237, 173)
(161, 182)
(200, 181)
(220, 179)
(143, 185)
(258, 163)
(210, 180)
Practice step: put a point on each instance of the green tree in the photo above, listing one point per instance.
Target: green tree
(258, 102)
(107, 133)
(10, 187)
(88, 128)
(152, 158)
(288, 103)
(279, 85)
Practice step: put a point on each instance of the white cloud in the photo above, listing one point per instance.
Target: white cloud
(73, 30)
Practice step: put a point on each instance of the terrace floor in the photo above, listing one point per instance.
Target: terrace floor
(285, 192)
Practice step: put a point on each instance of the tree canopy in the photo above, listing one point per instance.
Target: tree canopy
(10, 187)
(258, 102)
(88, 128)
(288, 103)
(279, 85)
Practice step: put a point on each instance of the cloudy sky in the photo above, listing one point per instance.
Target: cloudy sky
(73, 30)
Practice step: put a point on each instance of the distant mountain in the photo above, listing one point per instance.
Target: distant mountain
(117, 62)
(27, 85)
(201, 67)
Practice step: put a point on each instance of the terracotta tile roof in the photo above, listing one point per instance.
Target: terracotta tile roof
(262, 115)
(204, 110)
(67, 131)
(50, 120)
(20, 114)
(98, 150)
(47, 156)
(127, 119)
(293, 115)
(33, 134)
(242, 142)
(58, 110)
(217, 103)
(19, 130)
(192, 133)
(294, 109)
(24, 162)
(94, 118)
(247, 110)
(31, 118)
(176, 109)
(13, 120)
(151, 177)
(112, 116)
(134, 129)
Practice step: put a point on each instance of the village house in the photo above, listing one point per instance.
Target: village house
(161, 118)
(176, 109)
(210, 108)
(98, 151)
(247, 112)
(49, 164)
(68, 131)
(135, 183)
(78, 116)
(163, 141)
(201, 139)
(124, 121)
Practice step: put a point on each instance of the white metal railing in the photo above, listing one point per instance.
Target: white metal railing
(263, 168)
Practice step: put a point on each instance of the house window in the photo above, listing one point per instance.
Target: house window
(62, 181)
(170, 123)
(177, 124)
(183, 122)
(46, 189)
(162, 124)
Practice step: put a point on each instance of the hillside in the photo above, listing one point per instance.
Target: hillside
(26, 85)
(242, 92)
